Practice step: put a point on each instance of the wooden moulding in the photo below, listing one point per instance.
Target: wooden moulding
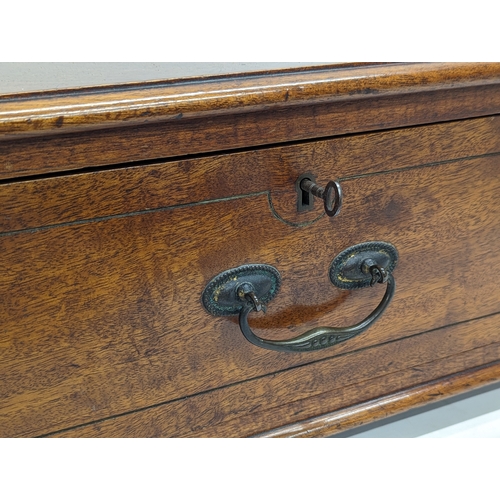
(391, 404)
(109, 107)
(138, 123)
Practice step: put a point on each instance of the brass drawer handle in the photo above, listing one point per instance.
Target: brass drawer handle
(248, 288)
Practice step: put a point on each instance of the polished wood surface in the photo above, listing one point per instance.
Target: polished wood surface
(120, 203)
(173, 102)
(391, 404)
(338, 382)
(70, 198)
(110, 307)
(172, 120)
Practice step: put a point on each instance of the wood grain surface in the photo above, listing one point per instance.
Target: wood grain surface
(69, 198)
(395, 371)
(237, 94)
(386, 406)
(103, 317)
(168, 121)
(136, 195)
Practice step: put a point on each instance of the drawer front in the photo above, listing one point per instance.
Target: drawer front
(103, 272)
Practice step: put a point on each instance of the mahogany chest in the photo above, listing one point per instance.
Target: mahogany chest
(192, 256)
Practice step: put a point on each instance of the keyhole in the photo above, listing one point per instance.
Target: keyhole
(305, 200)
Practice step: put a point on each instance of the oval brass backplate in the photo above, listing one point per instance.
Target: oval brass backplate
(220, 296)
(346, 270)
